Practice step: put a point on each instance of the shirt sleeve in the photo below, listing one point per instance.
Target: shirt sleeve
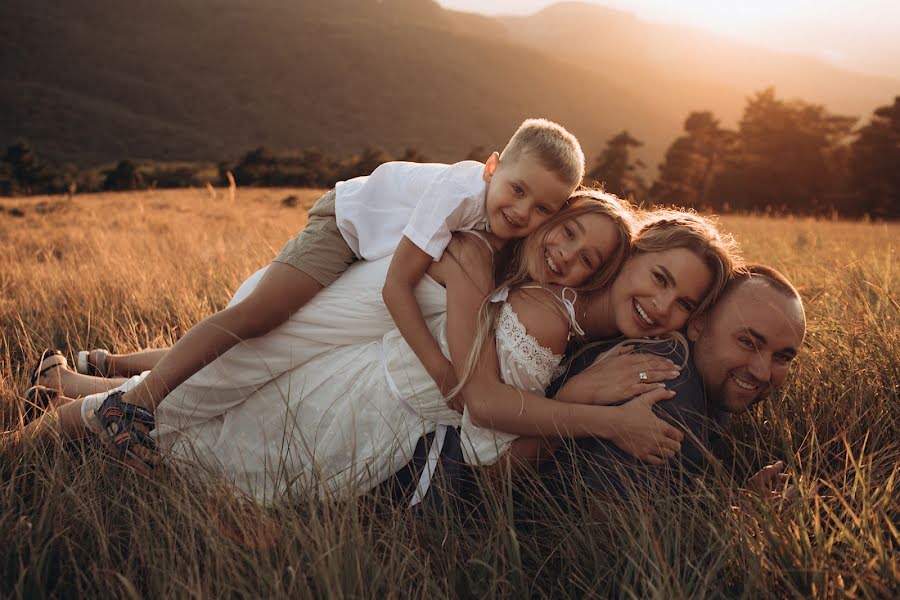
(446, 206)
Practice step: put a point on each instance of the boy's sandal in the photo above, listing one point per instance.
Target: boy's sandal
(40, 370)
(117, 421)
(37, 402)
(98, 368)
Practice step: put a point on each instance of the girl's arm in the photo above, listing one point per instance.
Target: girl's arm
(633, 426)
(408, 266)
(281, 292)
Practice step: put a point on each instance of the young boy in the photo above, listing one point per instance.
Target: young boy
(406, 208)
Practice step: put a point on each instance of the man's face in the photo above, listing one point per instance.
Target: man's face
(744, 346)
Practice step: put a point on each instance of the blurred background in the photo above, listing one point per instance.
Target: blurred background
(774, 107)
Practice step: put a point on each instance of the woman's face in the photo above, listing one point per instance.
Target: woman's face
(572, 250)
(656, 292)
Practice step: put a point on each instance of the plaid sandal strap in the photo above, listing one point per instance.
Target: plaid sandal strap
(117, 420)
(140, 415)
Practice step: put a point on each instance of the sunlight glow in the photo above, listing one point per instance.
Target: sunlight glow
(858, 34)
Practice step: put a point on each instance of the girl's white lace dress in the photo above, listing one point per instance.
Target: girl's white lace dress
(334, 399)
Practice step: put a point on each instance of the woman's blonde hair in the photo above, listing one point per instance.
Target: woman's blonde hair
(511, 267)
(665, 229)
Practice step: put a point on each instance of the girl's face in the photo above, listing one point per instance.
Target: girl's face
(656, 292)
(572, 251)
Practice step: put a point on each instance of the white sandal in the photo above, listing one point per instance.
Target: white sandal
(98, 367)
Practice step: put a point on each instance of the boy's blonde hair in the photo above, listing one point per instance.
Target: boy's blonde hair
(556, 149)
(511, 268)
(665, 229)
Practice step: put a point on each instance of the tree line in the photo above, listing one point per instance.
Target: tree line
(783, 157)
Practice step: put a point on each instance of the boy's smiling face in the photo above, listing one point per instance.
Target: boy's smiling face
(521, 194)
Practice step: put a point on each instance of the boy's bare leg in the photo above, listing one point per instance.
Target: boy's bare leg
(281, 292)
(135, 363)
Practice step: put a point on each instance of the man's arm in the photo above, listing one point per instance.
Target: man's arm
(408, 266)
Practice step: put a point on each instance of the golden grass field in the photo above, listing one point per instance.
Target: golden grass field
(134, 270)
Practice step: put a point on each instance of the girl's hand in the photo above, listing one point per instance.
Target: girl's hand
(643, 435)
(621, 373)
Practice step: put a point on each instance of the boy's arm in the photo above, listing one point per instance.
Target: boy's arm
(408, 266)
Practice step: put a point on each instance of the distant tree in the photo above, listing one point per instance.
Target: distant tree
(692, 163)
(365, 162)
(28, 174)
(320, 170)
(875, 164)
(478, 153)
(615, 170)
(8, 183)
(257, 167)
(124, 177)
(792, 156)
(413, 155)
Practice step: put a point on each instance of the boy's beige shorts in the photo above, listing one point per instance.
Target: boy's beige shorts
(319, 250)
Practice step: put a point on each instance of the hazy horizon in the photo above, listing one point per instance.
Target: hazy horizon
(861, 36)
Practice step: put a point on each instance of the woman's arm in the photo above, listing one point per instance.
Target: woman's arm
(633, 426)
(615, 376)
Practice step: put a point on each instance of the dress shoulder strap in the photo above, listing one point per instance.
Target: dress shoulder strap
(568, 304)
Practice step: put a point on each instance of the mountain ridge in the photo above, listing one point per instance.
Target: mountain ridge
(92, 82)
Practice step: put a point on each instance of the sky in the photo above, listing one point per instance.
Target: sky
(860, 35)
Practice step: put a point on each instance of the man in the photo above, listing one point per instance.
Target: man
(740, 351)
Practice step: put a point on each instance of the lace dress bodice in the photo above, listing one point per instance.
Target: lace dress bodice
(525, 364)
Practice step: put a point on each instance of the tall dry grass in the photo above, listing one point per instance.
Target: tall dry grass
(128, 271)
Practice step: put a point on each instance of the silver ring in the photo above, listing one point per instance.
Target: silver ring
(642, 375)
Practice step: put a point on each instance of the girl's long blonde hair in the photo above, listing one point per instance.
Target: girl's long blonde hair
(511, 268)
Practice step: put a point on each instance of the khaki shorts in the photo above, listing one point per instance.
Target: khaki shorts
(319, 250)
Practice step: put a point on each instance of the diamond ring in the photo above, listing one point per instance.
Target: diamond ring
(642, 375)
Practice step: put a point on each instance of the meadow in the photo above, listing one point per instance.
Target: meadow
(134, 270)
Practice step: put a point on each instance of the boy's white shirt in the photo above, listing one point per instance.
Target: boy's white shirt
(424, 202)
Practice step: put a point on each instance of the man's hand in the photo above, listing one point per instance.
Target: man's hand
(771, 483)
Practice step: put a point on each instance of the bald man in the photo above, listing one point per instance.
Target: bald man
(740, 351)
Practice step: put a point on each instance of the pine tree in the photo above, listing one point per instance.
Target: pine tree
(615, 170)
(875, 164)
(693, 161)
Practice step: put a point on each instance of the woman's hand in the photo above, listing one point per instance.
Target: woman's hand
(621, 373)
(643, 435)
